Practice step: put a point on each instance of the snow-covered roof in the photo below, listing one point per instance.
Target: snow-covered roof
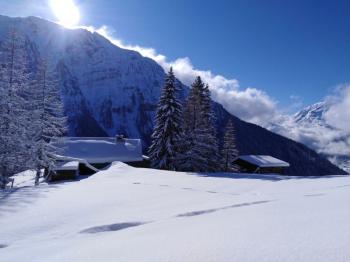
(100, 150)
(264, 161)
(72, 165)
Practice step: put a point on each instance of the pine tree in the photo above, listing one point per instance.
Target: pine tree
(14, 118)
(167, 130)
(229, 152)
(48, 122)
(190, 157)
(210, 134)
(199, 143)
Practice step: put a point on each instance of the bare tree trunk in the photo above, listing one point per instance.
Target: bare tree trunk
(2, 183)
(37, 176)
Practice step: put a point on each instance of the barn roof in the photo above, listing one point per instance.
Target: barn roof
(263, 161)
(100, 150)
(65, 166)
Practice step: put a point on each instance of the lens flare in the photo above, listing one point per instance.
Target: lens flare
(66, 11)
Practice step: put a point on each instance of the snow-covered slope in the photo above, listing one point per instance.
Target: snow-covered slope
(108, 90)
(313, 113)
(327, 139)
(128, 214)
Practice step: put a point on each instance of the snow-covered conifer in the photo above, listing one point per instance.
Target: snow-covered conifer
(229, 151)
(14, 117)
(199, 150)
(48, 122)
(210, 135)
(167, 130)
(190, 157)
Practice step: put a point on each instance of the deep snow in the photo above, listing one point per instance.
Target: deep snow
(129, 214)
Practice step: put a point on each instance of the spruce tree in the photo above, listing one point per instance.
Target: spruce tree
(48, 122)
(167, 130)
(191, 157)
(210, 135)
(14, 118)
(199, 147)
(229, 151)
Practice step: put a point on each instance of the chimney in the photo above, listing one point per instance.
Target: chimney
(120, 139)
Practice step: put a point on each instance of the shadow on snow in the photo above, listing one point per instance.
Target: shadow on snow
(13, 200)
(112, 227)
(267, 177)
(202, 212)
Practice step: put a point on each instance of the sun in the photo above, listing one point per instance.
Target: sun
(66, 12)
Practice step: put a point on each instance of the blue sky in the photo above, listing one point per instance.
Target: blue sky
(283, 47)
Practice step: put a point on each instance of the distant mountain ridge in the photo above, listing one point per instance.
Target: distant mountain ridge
(108, 90)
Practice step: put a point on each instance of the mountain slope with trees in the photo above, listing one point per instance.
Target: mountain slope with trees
(108, 90)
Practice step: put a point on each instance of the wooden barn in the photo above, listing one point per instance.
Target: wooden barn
(261, 164)
(79, 156)
(65, 171)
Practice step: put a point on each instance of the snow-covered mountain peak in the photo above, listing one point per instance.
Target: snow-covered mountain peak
(315, 112)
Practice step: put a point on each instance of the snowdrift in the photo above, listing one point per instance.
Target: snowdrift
(129, 214)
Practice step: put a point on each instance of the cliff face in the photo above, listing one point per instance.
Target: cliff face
(108, 90)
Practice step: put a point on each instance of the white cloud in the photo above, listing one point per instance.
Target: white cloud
(338, 114)
(319, 136)
(250, 104)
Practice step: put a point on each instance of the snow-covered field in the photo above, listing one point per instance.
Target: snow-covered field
(128, 214)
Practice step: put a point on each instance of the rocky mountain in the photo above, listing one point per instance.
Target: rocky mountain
(333, 141)
(108, 90)
(312, 114)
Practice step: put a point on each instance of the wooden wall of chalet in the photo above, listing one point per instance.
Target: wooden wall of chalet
(273, 170)
(63, 175)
